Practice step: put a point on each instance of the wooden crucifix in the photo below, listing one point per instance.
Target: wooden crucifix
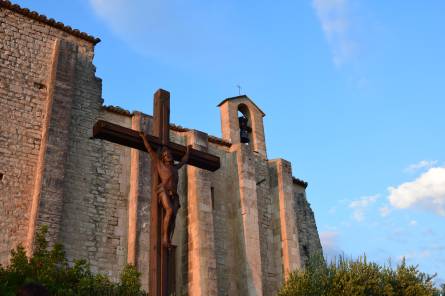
(157, 143)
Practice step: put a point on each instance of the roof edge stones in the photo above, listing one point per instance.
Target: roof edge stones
(174, 127)
(299, 182)
(117, 110)
(49, 21)
(242, 97)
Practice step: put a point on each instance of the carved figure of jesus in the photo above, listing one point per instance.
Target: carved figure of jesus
(167, 190)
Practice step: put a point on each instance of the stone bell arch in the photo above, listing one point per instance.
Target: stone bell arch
(230, 122)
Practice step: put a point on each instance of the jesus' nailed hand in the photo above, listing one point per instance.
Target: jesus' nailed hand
(167, 188)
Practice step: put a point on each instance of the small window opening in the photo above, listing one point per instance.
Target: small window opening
(261, 181)
(212, 197)
(244, 124)
(306, 252)
(39, 85)
(1, 176)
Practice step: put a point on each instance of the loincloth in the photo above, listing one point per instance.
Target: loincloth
(174, 197)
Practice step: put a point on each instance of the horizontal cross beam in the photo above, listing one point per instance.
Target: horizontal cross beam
(125, 136)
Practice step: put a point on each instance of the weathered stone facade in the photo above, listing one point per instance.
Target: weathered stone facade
(240, 230)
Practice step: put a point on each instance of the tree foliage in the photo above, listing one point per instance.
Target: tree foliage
(358, 277)
(50, 268)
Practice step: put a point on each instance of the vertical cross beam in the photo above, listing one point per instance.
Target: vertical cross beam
(161, 116)
(158, 254)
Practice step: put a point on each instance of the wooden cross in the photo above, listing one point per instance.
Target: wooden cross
(159, 255)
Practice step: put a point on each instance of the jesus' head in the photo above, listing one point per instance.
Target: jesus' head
(166, 156)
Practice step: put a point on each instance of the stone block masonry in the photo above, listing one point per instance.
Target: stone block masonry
(240, 231)
(250, 243)
(201, 243)
(37, 72)
(48, 194)
(308, 239)
(285, 206)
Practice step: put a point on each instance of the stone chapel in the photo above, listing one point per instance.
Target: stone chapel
(240, 230)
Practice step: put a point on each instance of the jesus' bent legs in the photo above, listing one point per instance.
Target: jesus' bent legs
(171, 209)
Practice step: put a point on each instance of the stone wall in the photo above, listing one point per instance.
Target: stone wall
(39, 67)
(308, 238)
(95, 214)
(142, 234)
(225, 202)
(54, 174)
(270, 258)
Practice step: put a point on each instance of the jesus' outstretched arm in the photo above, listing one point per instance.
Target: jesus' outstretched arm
(185, 158)
(150, 150)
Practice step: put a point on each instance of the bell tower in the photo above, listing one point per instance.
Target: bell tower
(242, 122)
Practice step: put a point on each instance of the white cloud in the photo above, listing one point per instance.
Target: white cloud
(427, 192)
(218, 36)
(360, 205)
(122, 15)
(167, 29)
(384, 211)
(359, 215)
(335, 22)
(423, 164)
(413, 222)
(364, 201)
(415, 255)
(329, 241)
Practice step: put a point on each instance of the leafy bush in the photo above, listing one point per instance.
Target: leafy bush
(356, 278)
(50, 268)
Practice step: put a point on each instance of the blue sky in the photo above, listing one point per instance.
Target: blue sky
(354, 93)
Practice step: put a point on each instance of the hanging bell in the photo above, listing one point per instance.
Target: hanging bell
(243, 129)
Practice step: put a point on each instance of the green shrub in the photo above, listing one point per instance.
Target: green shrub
(50, 268)
(356, 278)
